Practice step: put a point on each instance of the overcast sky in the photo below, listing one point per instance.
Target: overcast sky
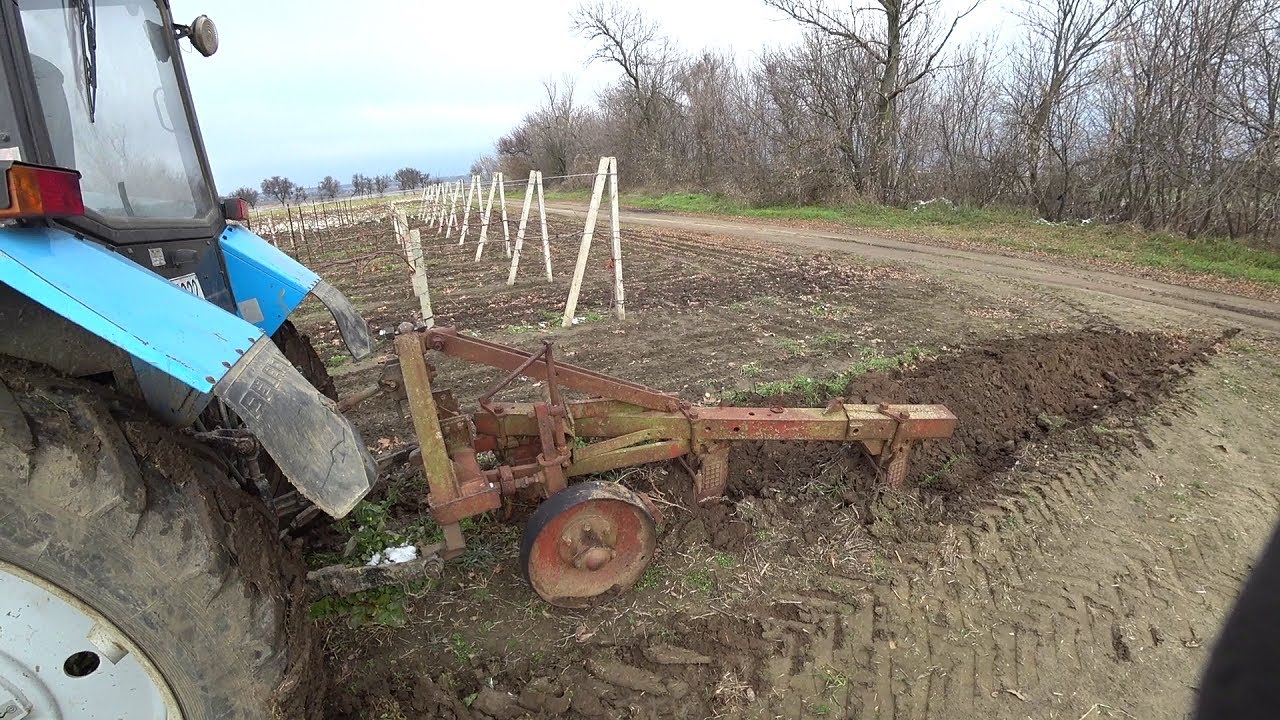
(305, 88)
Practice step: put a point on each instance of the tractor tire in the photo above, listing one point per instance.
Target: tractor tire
(146, 528)
(298, 350)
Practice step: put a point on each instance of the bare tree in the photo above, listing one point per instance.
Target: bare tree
(408, 178)
(550, 138)
(903, 41)
(647, 126)
(1054, 63)
(247, 194)
(380, 183)
(485, 165)
(329, 187)
(300, 194)
(970, 155)
(624, 36)
(360, 184)
(1160, 112)
(280, 188)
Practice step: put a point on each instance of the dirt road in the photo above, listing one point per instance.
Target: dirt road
(1246, 312)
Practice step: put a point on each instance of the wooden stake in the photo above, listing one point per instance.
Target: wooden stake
(293, 241)
(302, 233)
(502, 198)
(484, 221)
(422, 207)
(401, 223)
(453, 208)
(420, 287)
(584, 249)
(524, 220)
(619, 296)
(442, 203)
(466, 211)
(542, 216)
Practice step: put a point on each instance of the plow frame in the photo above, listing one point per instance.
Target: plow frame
(619, 424)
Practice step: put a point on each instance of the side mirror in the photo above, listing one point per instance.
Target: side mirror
(204, 35)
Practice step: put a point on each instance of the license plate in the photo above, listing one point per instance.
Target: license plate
(190, 283)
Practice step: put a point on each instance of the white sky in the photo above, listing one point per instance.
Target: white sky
(305, 88)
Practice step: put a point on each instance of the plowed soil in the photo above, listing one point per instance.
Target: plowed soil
(1069, 552)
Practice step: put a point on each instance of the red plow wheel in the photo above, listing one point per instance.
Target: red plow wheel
(587, 540)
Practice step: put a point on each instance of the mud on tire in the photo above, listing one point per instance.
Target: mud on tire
(297, 349)
(147, 529)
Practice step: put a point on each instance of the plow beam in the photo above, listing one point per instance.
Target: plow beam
(702, 425)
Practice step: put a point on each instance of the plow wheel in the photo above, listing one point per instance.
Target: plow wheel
(587, 540)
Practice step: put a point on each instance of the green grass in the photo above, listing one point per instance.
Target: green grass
(1004, 228)
(370, 528)
(462, 650)
(834, 680)
(379, 606)
(699, 580)
(881, 569)
(652, 578)
(814, 390)
(791, 346)
(875, 216)
(934, 477)
(370, 531)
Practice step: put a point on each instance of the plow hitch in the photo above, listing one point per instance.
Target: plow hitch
(589, 538)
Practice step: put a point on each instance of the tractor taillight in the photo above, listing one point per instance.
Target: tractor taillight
(36, 191)
(235, 209)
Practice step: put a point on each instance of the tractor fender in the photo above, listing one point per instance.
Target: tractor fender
(269, 285)
(184, 350)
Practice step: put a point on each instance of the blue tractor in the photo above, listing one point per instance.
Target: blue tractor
(163, 426)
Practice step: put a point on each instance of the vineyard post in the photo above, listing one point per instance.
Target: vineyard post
(466, 210)
(420, 287)
(542, 217)
(502, 197)
(584, 249)
(455, 191)
(524, 221)
(619, 296)
(488, 208)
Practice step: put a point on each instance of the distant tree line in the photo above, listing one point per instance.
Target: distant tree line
(284, 191)
(1164, 113)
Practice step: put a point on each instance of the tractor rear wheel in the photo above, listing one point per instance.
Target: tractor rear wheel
(296, 515)
(297, 349)
(136, 579)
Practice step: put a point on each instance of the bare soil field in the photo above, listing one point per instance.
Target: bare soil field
(1069, 553)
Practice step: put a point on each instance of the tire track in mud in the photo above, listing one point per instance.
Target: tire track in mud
(1102, 582)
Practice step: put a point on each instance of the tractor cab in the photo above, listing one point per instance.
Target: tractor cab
(118, 261)
(98, 87)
